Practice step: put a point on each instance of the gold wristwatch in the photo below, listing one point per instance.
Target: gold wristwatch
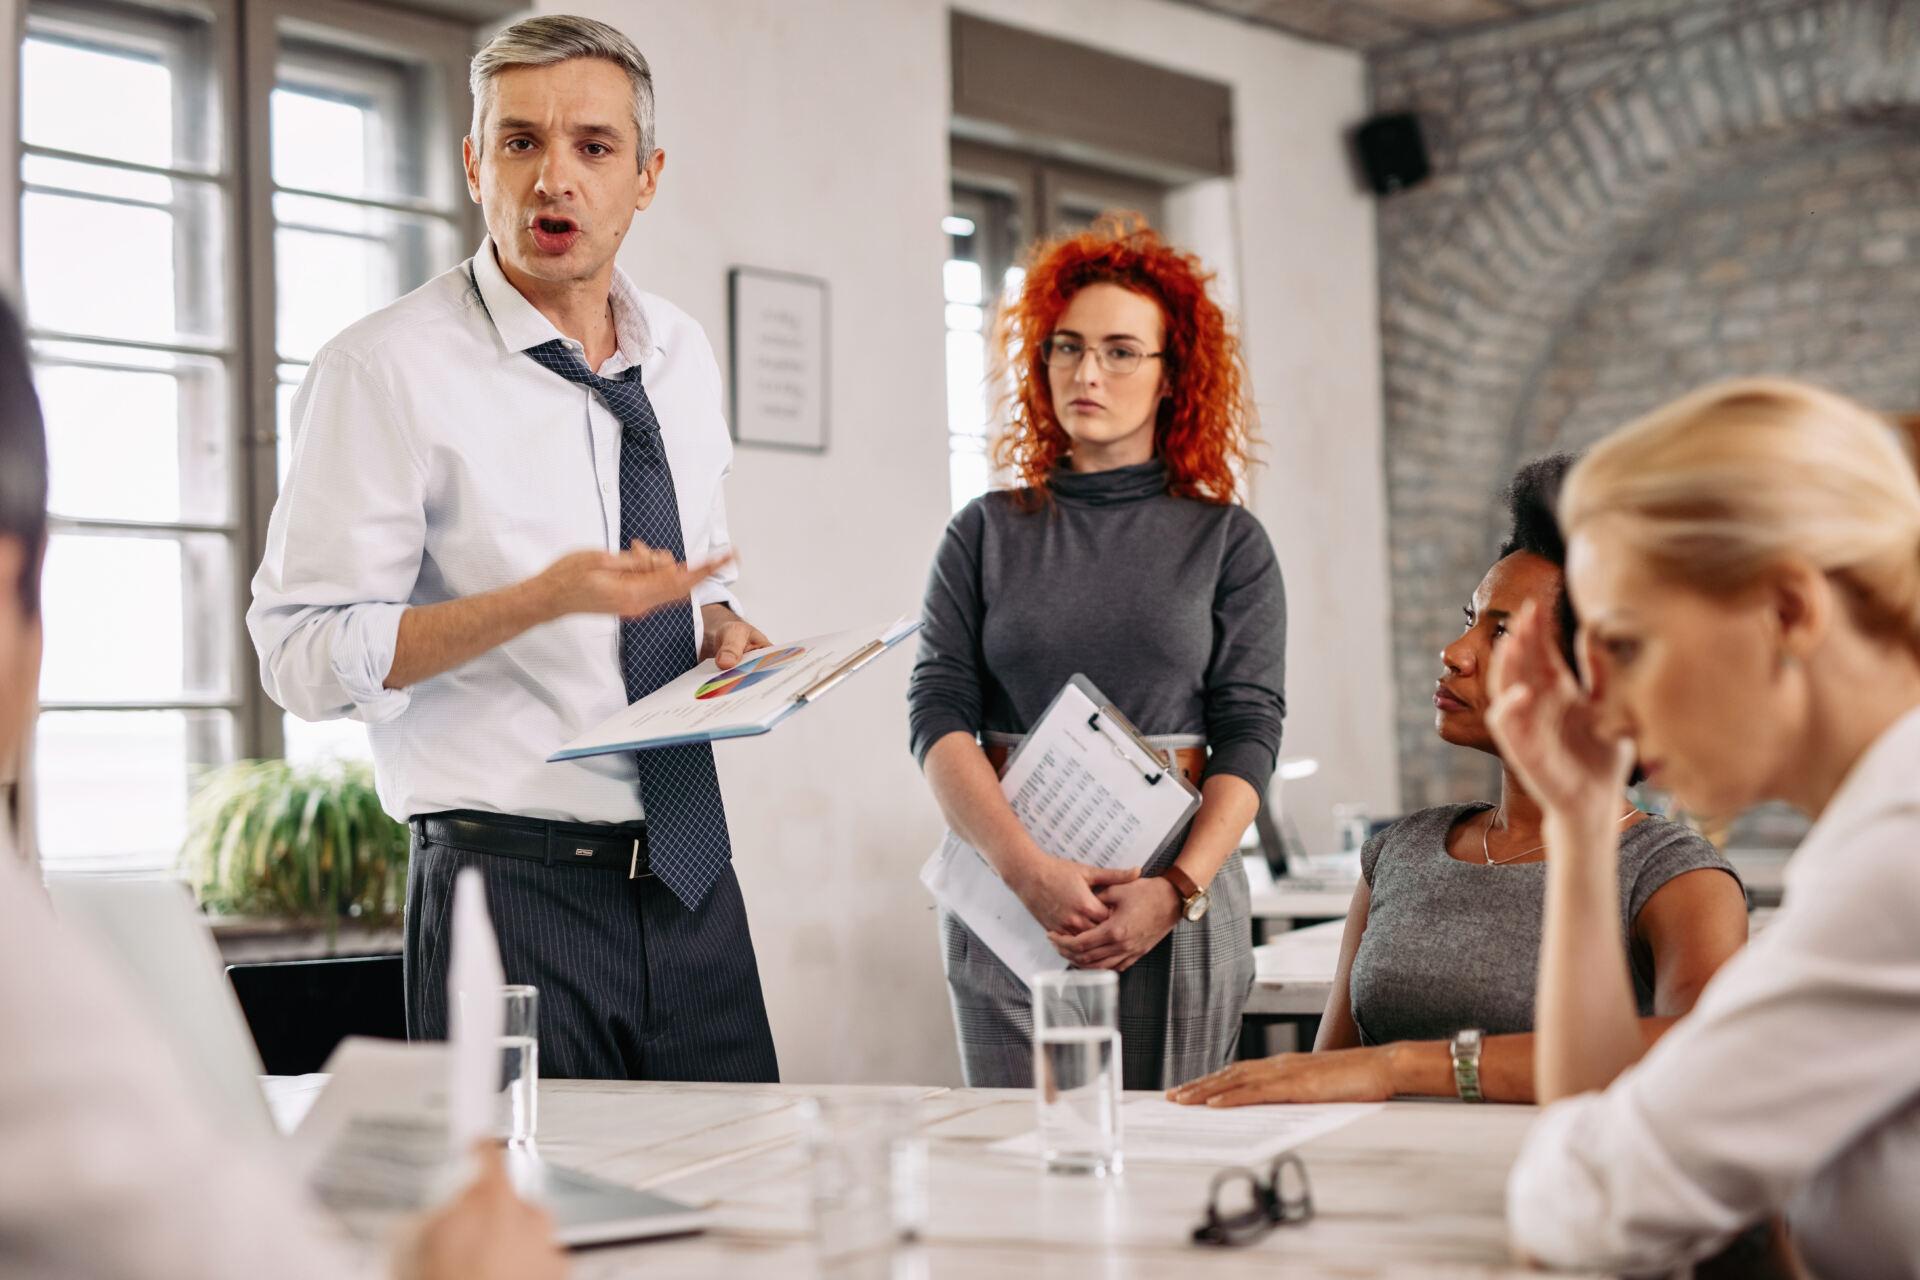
(1193, 899)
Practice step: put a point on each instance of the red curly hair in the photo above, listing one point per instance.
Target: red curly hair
(1204, 430)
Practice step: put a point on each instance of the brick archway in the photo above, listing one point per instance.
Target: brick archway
(1480, 277)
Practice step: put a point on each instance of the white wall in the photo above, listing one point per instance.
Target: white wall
(811, 137)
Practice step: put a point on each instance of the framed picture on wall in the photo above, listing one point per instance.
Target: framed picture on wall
(777, 326)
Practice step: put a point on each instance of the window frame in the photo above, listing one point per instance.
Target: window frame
(154, 28)
(227, 64)
(1047, 195)
(1043, 187)
(443, 48)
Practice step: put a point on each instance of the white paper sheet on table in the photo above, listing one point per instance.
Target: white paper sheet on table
(1155, 1131)
(388, 1135)
(1086, 788)
(373, 1147)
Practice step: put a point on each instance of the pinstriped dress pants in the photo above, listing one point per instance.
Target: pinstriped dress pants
(633, 986)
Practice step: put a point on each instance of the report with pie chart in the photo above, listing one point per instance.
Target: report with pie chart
(710, 705)
(754, 670)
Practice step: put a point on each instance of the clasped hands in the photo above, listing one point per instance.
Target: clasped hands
(1099, 917)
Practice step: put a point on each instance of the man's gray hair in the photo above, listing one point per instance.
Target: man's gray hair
(551, 38)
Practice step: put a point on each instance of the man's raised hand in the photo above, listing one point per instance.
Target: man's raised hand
(629, 584)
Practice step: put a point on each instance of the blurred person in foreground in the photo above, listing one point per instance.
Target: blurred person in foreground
(107, 1168)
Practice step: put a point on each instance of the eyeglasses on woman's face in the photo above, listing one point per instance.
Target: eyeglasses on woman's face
(1118, 358)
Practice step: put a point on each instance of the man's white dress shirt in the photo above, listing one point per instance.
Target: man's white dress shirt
(433, 460)
(108, 1169)
(1794, 1084)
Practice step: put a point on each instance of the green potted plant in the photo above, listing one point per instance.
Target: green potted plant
(304, 843)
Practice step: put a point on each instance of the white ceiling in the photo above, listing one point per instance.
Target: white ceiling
(478, 12)
(1370, 24)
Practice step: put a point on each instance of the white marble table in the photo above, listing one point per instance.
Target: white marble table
(1414, 1190)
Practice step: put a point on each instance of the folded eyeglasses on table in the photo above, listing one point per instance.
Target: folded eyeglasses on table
(1242, 1206)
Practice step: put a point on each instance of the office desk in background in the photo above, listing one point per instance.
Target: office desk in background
(1291, 901)
(1414, 1190)
(1293, 974)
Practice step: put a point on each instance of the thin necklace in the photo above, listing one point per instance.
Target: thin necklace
(1488, 830)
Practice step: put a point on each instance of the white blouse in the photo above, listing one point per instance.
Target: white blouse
(107, 1170)
(1794, 1085)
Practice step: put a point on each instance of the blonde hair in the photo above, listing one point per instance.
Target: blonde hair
(1725, 483)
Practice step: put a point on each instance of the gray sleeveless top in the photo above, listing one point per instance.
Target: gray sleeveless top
(1452, 944)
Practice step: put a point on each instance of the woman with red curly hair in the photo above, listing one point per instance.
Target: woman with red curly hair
(1121, 553)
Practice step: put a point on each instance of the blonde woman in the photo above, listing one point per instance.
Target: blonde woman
(1746, 565)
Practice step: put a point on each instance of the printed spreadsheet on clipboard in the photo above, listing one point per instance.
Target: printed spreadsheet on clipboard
(1087, 788)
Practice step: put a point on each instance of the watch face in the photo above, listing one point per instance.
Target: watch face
(1197, 906)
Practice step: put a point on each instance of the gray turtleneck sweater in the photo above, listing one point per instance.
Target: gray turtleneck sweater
(1171, 606)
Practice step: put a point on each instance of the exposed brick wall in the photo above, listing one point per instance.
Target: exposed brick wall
(1807, 262)
(1629, 199)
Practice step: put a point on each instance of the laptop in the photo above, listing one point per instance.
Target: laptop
(151, 928)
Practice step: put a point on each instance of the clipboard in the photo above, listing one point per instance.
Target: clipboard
(767, 686)
(1088, 788)
(1109, 720)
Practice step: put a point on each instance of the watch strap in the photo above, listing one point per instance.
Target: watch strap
(1182, 883)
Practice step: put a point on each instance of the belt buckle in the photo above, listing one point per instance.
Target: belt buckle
(633, 864)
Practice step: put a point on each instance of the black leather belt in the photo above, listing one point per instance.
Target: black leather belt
(621, 848)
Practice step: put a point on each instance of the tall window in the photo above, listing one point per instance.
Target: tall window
(1002, 201)
(358, 220)
(178, 269)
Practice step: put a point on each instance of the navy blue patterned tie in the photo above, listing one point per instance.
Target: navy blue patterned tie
(686, 822)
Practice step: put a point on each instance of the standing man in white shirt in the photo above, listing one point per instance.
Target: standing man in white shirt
(503, 522)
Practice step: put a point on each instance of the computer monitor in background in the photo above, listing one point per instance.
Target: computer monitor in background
(150, 929)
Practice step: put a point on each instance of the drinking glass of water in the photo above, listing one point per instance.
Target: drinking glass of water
(516, 1107)
(1076, 1069)
(868, 1175)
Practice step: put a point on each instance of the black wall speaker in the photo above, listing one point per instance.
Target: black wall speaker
(1392, 152)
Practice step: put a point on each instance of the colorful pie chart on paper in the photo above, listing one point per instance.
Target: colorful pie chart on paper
(752, 671)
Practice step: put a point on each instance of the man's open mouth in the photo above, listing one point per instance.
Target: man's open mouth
(555, 235)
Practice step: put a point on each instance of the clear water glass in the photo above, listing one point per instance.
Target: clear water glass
(1076, 1069)
(1351, 823)
(868, 1174)
(516, 1114)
